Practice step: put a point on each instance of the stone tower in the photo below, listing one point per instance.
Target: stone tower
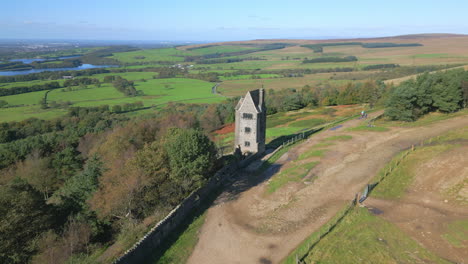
(251, 122)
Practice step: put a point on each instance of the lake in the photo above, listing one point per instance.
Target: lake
(82, 67)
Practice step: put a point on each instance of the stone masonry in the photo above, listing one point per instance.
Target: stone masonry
(251, 123)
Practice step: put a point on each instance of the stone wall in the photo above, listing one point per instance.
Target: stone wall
(144, 248)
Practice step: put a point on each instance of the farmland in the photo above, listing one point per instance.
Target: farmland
(155, 92)
(242, 66)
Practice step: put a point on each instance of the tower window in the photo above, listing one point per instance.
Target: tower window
(247, 143)
(247, 116)
(247, 130)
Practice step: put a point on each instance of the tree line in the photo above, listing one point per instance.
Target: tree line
(318, 48)
(445, 92)
(330, 59)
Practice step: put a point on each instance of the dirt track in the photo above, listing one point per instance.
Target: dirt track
(248, 226)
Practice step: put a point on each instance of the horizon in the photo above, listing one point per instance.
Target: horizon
(48, 40)
(207, 21)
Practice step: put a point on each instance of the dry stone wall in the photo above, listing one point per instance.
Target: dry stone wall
(144, 248)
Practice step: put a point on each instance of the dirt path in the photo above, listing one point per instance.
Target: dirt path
(246, 225)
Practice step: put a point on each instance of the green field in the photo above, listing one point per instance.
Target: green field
(156, 92)
(29, 83)
(173, 54)
(151, 55)
(25, 112)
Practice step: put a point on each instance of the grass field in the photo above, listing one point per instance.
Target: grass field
(25, 112)
(29, 83)
(240, 87)
(156, 92)
(151, 55)
(173, 54)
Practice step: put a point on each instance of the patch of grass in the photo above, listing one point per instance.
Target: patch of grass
(281, 131)
(308, 123)
(312, 153)
(457, 233)
(431, 55)
(363, 238)
(151, 55)
(338, 138)
(457, 134)
(24, 99)
(453, 192)
(323, 144)
(367, 128)
(395, 183)
(293, 174)
(425, 120)
(25, 112)
(182, 248)
(278, 119)
(250, 76)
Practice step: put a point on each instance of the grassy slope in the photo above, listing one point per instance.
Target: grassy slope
(182, 248)
(364, 238)
(395, 184)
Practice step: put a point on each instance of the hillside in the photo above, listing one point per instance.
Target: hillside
(277, 222)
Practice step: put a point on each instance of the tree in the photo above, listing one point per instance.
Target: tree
(401, 103)
(447, 93)
(76, 190)
(125, 86)
(25, 215)
(430, 92)
(191, 157)
(36, 172)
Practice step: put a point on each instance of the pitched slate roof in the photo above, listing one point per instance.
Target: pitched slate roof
(256, 99)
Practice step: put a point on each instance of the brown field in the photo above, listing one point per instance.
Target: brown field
(240, 87)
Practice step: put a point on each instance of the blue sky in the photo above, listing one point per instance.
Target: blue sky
(209, 20)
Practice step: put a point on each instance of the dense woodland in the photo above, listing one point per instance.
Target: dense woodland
(445, 92)
(318, 48)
